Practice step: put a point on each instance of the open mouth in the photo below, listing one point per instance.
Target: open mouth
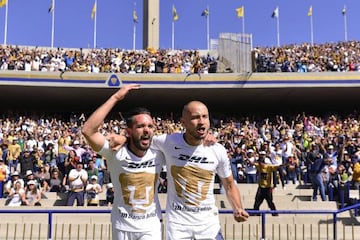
(145, 140)
(201, 130)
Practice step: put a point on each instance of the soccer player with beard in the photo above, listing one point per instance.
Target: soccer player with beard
(134, 170)
(191, 212)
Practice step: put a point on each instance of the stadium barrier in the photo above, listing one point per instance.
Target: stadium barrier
(73, 229)
(235, 51)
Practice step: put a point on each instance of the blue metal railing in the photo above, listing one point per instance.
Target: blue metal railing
(263, 214)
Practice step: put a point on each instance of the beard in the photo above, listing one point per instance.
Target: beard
(142, 143)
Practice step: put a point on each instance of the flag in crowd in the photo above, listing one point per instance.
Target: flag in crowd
(93, 11)
(205, 13)
(135, 17)
(310, 12)
(51, 8)
(174, 13)
(240, 12)
(3, 3)
(275, 13)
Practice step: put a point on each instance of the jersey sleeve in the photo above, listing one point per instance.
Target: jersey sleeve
(224, 168)
(105, 151)
(158, 142)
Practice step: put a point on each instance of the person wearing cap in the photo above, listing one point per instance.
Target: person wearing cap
(32, 194)
(93, 189)
(109, 194)
(77, 181)
(76, 146)
(134, 170)
(332, 154)
(265, 184)
(250, 169)
(29, 176)
(14, 151)
(10, 183)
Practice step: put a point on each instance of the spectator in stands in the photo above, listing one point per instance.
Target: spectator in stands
(92, 170)
(265, 188)
(92, 191)
(71, 161)
(79, 150)
(29, 175)
(16, 194)
(27, 162)
(292, 169)
(344, 183)
(4, 151)
(43, 177)
(109, 194)
(237, 159)
(103, 172)
(39, 156)
(250, 169)
(77, 181)
(32, 195)
(356, 176)
(11, 183)
(276, 157)
(31, 143)
(14, 152)
(317, 164)
(64, 140)
(50, 155)
(4, 173)
(55, 183)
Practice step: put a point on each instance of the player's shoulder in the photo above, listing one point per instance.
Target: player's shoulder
(167, 137)
(216, 146)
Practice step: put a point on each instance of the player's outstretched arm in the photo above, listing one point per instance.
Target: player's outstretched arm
(90, 129)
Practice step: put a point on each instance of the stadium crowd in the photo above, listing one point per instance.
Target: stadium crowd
(105, 60)
(42, 151)
(338, 56)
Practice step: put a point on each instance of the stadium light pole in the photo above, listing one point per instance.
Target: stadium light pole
(345, 23)
(52, 23)
(6, 22)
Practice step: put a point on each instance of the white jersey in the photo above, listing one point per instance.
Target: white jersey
(191, 172)
(136, 207)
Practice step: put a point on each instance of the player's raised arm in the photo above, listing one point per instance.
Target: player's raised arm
(90, 129)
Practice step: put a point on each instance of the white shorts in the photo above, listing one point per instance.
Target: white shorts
(211, 231)
(154, 234)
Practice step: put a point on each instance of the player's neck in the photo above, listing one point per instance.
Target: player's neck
(137, 152)
(191, 140)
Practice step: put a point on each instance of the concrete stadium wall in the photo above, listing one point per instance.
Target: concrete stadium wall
(166, 92)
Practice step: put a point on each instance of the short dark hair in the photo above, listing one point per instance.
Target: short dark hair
(136, 111)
